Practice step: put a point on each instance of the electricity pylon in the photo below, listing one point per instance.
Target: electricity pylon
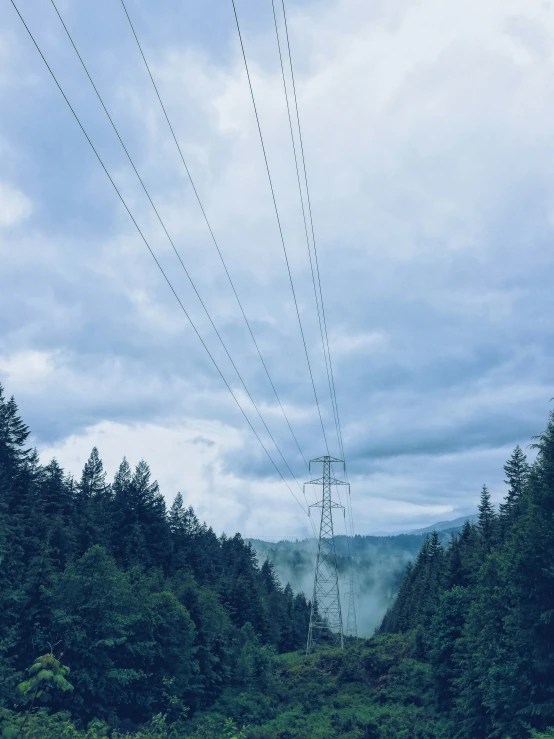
(326, 615)
(351, 624)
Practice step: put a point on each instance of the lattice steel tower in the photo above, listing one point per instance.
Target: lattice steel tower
(326, 615)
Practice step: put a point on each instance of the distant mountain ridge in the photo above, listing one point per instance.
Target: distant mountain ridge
(445, 526)
(451, 526)
(456, 523)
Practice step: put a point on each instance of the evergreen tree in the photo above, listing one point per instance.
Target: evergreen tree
(93, 480)
(486, 519)
(186, 537)
(93, 504)
(125, 516)
(445, 631)
(301, 621)
(470, 553)
(517, 472)
(57, 506)
(454, 567)
(239, 585)
(268, 577)
(13, 436)
(287, 636)
(152, 531)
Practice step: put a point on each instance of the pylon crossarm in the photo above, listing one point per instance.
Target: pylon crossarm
(322, 504)
(327, 459)
(330, 481)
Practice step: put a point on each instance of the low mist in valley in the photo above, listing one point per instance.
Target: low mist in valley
(380, 562)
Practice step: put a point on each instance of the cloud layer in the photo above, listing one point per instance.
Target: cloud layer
(431, 165)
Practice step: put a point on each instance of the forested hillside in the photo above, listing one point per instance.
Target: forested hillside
(482, 609)
(148, 607)
(120, 618)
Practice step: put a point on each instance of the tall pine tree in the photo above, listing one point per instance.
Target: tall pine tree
(517, 472)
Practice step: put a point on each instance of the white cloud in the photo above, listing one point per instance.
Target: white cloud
(27, 370)
(187, 458)
(15, 206)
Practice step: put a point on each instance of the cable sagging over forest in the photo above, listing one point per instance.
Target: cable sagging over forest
(279, 223)
(166, 278)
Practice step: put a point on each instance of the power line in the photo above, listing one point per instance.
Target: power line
(311, 218)
(279, 223)
(152, 253)
(211, 231)
(172, 243)
(334, 393)
(304, 220)
(329, 367)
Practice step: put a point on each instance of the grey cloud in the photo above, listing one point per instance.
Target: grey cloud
(433, 211)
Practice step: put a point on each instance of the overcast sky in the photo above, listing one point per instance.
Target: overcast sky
(430, 152)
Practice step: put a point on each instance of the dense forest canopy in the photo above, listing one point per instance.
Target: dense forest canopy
(146, 604)
(482, 608)
(119, 617)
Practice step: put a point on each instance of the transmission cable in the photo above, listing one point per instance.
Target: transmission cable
(328, 353)
(279, 223)
(305, 220)
(341, 442)
(324, 339)
(211, 231)
(172, 244)
(153, 255)
(311, 219)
